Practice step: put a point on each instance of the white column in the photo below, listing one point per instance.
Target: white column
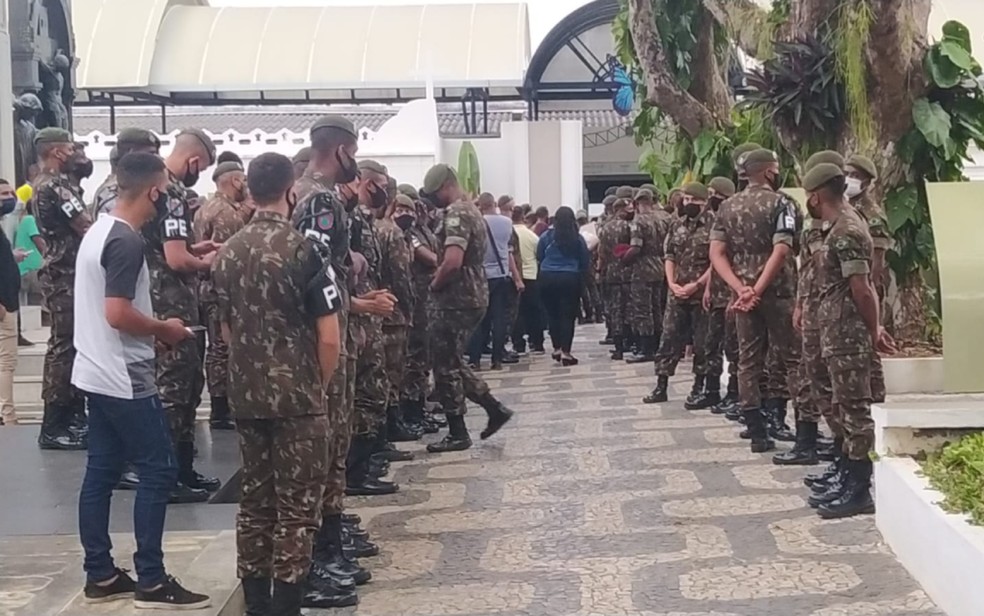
(6, 99)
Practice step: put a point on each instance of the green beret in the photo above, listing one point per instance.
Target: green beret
(408, 190)
(114, 156)
(205, 140)
(696, 190)
(824, 156)
(227, 167)
(53, 135)
(620, 203)
(437, 176)
(864, 164)
(744, 148)
(133, 137)
(405, 201)
(760, 156)
(644, 194)
(625, 192)
(820, 175)
(610, 191)
(651, 188)
(303, 155)
(723, 186)
(609, 200)
(335, 121)
(371, 165)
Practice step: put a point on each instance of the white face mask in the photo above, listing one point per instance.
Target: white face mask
(853, 187)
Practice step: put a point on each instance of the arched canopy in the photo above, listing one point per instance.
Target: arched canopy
(192, 54)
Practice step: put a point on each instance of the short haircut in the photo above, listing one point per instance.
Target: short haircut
(328, 138)
(3, 181)
(486, 200)
(542, 212)
(270, 176)
(137, 172)
(504, 200)
(518, 215)
(836, 186)
(44, 149)
(228, 157)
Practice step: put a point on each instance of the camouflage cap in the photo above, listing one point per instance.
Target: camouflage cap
(303, 155)
(408, 190)
(53, 135)
(864, 164)
(610, 191)
(204, 139)
(644, 194)
(696, 190)
(625, 192)
(820, 175)
(404, 201)
(744, 148)
(437, 176)
(723, 186)
(760, 156)
(224, 168)
(133, 137)
(335, 121)
(371, 165)
(823, 156)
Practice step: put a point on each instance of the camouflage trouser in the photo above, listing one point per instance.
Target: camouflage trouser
(57, 390)
(878, 391)
(180, 380)
(713, 343)
(731, 344)
(283, 482)
(617, 303)
(814, 371)
(850, 381)
(590, 298)
(643, 308)
(371, 385)
(782, 376)
(339, 406)
(395, 350)
(217, 355)
(770, 325)
(416, 373)
(680, 319)
(454, 381)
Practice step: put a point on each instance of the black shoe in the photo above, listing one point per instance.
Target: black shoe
(618, 353)
(824, 441)
(510, 358)
(256, 592)
(378, 468)
(184, 495)
(757, 431)
(394, 455)
(357, 547)
(499, 416)
(658, 394)
(220, 417)
(855, 496)
(695, 392)
(450, 443)
(170, 596)
(123, 587)
(197, 481)
(730, 400)
(734, 414)
(322, 594)
(221, 424)
(804, 452)
(709, 398)
(351, 518)
(61, 442)
(832, 493)
(776, 418)
(828, 454)
(396, 430)
(371, 486)
(23, 342)
(567, 362)
(822, 477)
(607, 341)
(129, 480)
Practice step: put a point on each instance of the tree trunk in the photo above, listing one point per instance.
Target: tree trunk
(708, 77)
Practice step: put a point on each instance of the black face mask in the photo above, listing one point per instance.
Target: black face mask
(350, 169)
(351, 203)
(8, 205)
(404, 222)
(190, 178)
(82, 169)
(291, 200)
(813, 211)
(742, 184)
(775, 181)
(715, 203)
(690, 210)
(161, 203)
(378, 198)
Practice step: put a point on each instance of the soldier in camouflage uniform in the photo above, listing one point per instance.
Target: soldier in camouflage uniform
(850, 333)
(62, 221)
(301, 161)
(175, 261)
(222, 216)
(861, 172)
(687, 272)
(128, 140)
(614, 237)
(603, 284)
(278, 303)
(459, 297)
(754, 229)
(645, 258)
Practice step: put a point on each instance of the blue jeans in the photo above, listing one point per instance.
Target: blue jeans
(121, 431)
(493, 323)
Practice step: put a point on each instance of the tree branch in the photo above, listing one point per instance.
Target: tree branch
(745, 20)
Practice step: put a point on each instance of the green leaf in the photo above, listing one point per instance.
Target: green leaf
(932, 121)
(902, 205)
(957, 54)
(945, 73)
(703, 144)
(958, 33)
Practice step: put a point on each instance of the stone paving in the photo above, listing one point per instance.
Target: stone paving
(593, 504)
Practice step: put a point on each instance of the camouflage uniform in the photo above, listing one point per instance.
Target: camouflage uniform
(321, 217)
(175, 295)
(687, 246)
(881, 239)
(648, 232)
(371, 384)
(56, 204)
(417, 372)
(844, 338)
(271, 286)
(813, 370)
(720, 339)
(458, 308)
(750, 224)
(615, 275)
(104, 199)
(218, 220)
(395, 275)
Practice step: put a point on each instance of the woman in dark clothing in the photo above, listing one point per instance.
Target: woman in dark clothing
(563, 256)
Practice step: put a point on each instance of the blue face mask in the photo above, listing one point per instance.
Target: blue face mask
(7, 205)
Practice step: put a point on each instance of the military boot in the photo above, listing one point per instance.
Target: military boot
(392, 454)
(315, 593)
(830, 453)
(329, 555)
(256, 592)
(55, 434)
(758, 433)
(659, 394)
(776, 416)
(188, 475)
(618, 353)
(830, 471)
(355, 546)
(497, 413)
(709, 397)
(397, 431)
(855, 498)
(414, 417)
(832, 490)
(359, 480)
(804, 452)
(730, 401)
(646, 352)
(457, 439)
(220, 418)
(78, 423)
(695, 391)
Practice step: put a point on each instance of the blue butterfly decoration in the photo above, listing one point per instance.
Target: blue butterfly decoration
(624, 87)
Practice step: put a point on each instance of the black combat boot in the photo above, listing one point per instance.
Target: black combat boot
(646, 351)
(78, 423)
(804, 452)
(315, 593)
(129, 480)
(357, 546)
(757, 431)
(220, 417)
(396, 429)
(329, 557)
(359, 479)
(695, 392)
(855, 498)
(55, 434)
(710, 397)
(414, 417)
(730, 401)
(256, 592)
(457, 438)
(188, 475)
(497, 412)
(618, 353)
(776, 416)
(608, 340)
(659, 394)
(392, 454)
(832, 490)
(184, 495)
(831, 471)
(831, 452)
(378, 468)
